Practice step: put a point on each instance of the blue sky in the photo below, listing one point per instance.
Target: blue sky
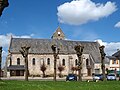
(87, 20)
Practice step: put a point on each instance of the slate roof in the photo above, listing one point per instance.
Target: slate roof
(111, 57)
(43, 46)
(117, 54)
(108, 58)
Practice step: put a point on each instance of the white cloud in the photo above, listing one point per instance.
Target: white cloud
(110, 48)
(117, 25)
(78, 12)
(4, 42)
(4, 54)
(5, 39)
(100, 42)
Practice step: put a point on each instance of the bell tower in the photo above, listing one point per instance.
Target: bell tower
(58, 34)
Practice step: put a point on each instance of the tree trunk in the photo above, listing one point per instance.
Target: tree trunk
(79, 69)
(0, 71)
(103, 61)
(60, 74)
(103, 70)
(79, 75)
(55, 69)
(79, 51)
(24, 51)
(26, 68)
(43, 74)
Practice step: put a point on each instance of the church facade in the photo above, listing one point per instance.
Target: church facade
(40, 52)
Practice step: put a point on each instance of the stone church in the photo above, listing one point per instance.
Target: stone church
(40, 51)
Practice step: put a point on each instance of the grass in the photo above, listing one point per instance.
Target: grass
(59, 85)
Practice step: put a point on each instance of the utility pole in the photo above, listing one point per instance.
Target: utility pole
(0, 61)
(103, 61)
(3, 4)
(55, 54)
(24, 51)
(79, 51)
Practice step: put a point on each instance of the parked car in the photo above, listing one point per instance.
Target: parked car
(111, 76)
(71, 77)
(97, 77)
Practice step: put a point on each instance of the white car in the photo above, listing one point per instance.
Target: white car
(97, 77)
(111, 77)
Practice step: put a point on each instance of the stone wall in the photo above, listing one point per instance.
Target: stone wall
(36, 70)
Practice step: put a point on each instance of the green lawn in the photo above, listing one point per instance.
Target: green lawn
(59, 85)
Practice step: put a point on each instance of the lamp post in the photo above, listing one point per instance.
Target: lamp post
(0, 60)
(79, 51)
(24, 51)
(102, 61)
(3, 4)
(55, 54)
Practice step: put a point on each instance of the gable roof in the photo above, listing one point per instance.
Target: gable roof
(111, 57)
(43, 46)
(58, 34)
(117, 54)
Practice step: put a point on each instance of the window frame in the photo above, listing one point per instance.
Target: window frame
(48, 61)
(63, 62)
(18, 61)
(76, 62)
(33, 61)
(87, 62)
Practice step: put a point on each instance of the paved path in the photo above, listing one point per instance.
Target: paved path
(42, 79)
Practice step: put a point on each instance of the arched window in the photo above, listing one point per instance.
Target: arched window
(87, 62)
(10, 61)
(48, 61)
(113, 61)
(116, 61)
(63, 62)
(18, 61)
(76, 62)
(33, 61)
